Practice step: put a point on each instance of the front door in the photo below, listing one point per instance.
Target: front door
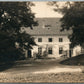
(29, 53)
(70, 53)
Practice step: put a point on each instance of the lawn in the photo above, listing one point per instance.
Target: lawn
(77, 60)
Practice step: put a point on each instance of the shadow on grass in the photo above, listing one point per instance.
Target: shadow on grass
(6, 65)
(77, 60)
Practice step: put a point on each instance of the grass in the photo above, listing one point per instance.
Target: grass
(49, 77)
(77, 60)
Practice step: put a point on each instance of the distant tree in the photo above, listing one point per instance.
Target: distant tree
(14, 16)
(73, 18)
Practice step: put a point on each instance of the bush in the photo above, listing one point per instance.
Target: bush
(45, 54)
(40, 56)
(11, 55)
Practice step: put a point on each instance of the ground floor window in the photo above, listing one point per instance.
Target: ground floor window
(60, 50)
(50, 50)
(39, 50)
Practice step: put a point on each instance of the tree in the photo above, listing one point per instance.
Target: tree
(14, 16)
(73, 18)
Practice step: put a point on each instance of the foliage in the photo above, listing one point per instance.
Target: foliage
(38, 56)
(73, 19)
(41, 56)
(45, 53)
(14, 16)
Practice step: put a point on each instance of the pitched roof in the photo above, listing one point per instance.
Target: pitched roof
(47, 26)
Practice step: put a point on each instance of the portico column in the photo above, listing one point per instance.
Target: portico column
(26, 53)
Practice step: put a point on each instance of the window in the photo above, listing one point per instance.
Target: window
(49, 39)
(39, 50)
(60, 50)
(60, 39)
(39, 39)
(50, 50)
(47, 25)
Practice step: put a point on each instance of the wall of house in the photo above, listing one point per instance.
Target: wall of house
(76, 50)
(55, 44)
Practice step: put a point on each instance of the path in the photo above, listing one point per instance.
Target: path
(41, 66)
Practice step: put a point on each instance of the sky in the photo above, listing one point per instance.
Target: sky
(41, 9)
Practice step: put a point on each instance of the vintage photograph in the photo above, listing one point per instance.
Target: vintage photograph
(42, 42)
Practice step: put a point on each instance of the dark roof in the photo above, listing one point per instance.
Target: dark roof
(47, 26)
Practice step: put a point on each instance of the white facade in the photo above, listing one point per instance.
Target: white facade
(55, 45)
(77, 50)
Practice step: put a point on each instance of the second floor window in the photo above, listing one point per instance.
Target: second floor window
(60, 39)
(39, 39)
(49, 39)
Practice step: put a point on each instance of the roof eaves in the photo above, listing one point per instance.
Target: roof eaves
(49, 34)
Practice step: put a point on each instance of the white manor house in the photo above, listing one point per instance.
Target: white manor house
(50, 39)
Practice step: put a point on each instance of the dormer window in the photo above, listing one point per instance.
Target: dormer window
(47, 26)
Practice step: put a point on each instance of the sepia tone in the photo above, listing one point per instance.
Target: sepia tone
(47, 55)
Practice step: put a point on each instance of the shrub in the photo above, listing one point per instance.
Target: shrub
(45, 54)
